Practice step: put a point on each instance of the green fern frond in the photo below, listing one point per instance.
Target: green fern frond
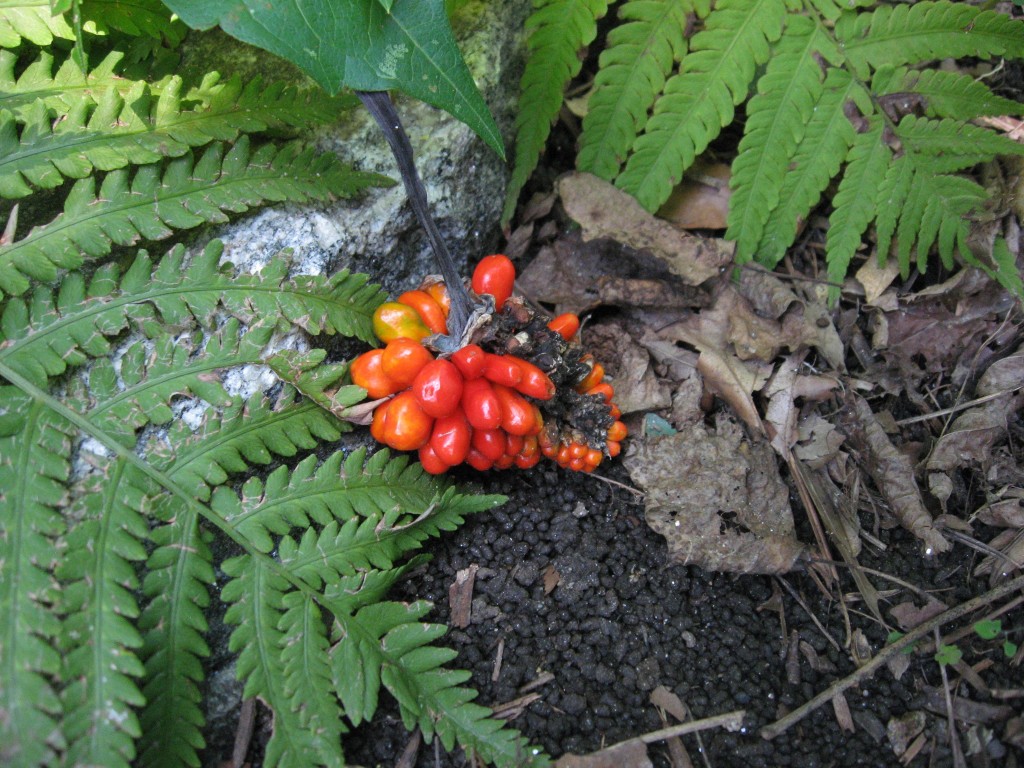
(950, 145)
(890, 201)
(1005, 267)
(136, 390)
(35, 452)
(387, 644)
(337, 489)
(827, 139)
(99, 637)
(150, 18)
(61, 90)
(698, 101)
(377, 539)
(257, 596)
(113, 130)
(557, 30)
(45, 336)
(184, 195)
(179, 576)
(640, 53)
(244, 435)
(777, 119)
(855, 200)
(944, 94)
(307, 671)
(916, 32)
(31, 20)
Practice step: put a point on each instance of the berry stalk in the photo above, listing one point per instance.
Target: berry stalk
(463, 307)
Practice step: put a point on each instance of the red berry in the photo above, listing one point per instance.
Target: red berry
(471, 361)
(480, 404)
(438, 388)
(451, 437)
(495, 275)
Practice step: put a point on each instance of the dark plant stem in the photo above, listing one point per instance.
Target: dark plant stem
(383, 110)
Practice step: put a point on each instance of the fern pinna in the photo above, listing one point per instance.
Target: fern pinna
(821, 83)
(111, 500)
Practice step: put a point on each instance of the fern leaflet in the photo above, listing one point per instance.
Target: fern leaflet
(179, 575)
(257, 597)
(854, 202)
(640, 54)
(557, 30)
(952, 145)
(699, 100)
(185, 195)
(826, 141)
(143, 17)
(99, 637)
(35, 448)
(112, 130)
(903, 34)
(944, 94)
(31, 20)
(45, 336)
(777, 119)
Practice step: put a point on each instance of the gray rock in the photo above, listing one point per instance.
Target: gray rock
(378, 234)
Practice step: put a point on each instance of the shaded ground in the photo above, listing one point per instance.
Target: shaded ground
(620, 623)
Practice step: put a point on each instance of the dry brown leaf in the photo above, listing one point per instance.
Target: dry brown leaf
(637, 387)
(973, 433)
(803, 323)
(1005, 513)
(717, 498)
(576, 277)
(904, 729)
(460, 596)
(552, 578)
(734, 381)
(1010, 545)
(842, 712)
(628, 754)
(818, 441)
(665, 699)
(891, 471)
(909, 615)
(604, 211)
(641, 292)
(701, 200)
(876, 279)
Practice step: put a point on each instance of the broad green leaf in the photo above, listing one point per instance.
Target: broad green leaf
(359, 44)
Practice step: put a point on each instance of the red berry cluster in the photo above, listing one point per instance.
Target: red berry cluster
(523, 391)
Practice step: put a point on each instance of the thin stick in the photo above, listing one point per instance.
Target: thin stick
(954, 739)
(379, 104)
(954, 408)
(731, 721)
(889, 652)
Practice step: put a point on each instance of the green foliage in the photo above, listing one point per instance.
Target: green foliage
(833, 93)
(115, 509)
(557, 30)
(404, 45)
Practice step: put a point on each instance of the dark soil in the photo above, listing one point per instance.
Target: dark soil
(621, 622)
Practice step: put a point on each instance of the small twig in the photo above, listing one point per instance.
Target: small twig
(795, 595)
(379, 104)
(954, 740)
(955, 408)
(243, 735)
(891, 651)
(731, 721)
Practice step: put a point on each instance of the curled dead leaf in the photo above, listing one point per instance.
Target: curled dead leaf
(891, 471)
(604, 211)
(717, 498)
